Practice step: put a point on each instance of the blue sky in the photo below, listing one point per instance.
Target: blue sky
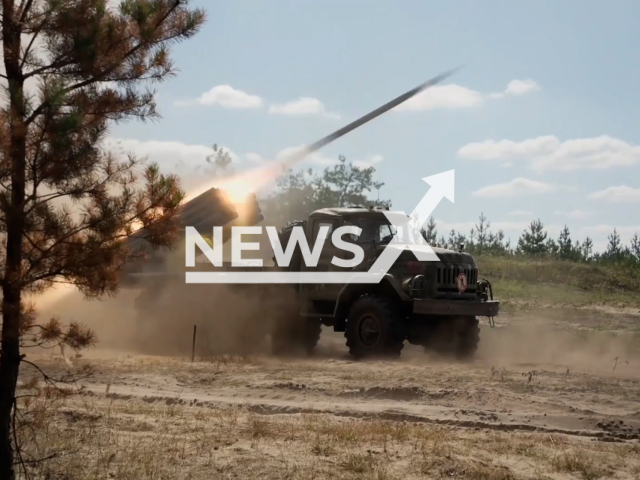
(540, 122)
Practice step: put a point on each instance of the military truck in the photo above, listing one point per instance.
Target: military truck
(433, 304)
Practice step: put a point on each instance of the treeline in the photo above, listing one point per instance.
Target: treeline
(535, 242)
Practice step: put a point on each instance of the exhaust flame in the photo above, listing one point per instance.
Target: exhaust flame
(239, 186)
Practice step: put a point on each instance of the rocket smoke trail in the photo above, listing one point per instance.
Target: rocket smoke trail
(375, 113)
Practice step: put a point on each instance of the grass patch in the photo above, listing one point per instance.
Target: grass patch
(557, 282)
(579, 463)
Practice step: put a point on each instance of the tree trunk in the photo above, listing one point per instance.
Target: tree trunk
(9, 366)
(15, 221)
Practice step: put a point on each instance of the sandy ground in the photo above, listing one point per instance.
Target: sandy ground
(539, 402)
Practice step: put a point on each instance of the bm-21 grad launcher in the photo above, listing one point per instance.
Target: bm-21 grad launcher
(434, 304)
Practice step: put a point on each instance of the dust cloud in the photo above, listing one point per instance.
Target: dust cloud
(235, 319)
(229, 319)
(539, 339)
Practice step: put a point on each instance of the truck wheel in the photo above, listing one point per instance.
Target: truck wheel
(374, 328)
(287, 338)
(457, 337)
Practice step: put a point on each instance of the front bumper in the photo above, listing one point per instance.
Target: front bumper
(475, 308)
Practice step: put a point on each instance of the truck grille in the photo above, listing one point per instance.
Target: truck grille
(446, 278)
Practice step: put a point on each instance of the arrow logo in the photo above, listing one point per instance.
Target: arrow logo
(409, 226)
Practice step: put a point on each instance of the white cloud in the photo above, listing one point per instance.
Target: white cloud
(549, 153)
(521, 213)
(574, 214)
(368, 162)
(516, 88)
(170, 155)
(621, 194)
(321, 160)
(227, 97)
(292, 155)
(457, 96)
(255, 158)
(444, 96)
(515, 188)
(521, 87)
(188, 161)
(302, 106)
(506, 150)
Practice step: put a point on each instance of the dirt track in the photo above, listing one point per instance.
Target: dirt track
(539, 402)
(552, 398)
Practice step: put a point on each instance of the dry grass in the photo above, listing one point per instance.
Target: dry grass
(96, 438)
(579, 463)
(102, 432)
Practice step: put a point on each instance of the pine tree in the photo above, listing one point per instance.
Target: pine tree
(67, 201)
(430, 233)
(472, 240)
(614, 251)
(482, 232)
(496, 244)
(635, 247)
(452, 240)
(533, 240)
(461, 241)
(551, 247)
(565, 246)
(587, 249)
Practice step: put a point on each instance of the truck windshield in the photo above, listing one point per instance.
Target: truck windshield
(373, 228)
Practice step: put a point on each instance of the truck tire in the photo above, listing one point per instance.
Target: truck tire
(374, 328)
(288, 338)
(456, 337)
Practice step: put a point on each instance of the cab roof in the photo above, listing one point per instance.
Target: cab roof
(347, 211)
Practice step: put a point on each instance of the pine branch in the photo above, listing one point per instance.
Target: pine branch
(102, 75)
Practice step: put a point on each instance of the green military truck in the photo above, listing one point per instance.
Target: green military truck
(434, 304)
